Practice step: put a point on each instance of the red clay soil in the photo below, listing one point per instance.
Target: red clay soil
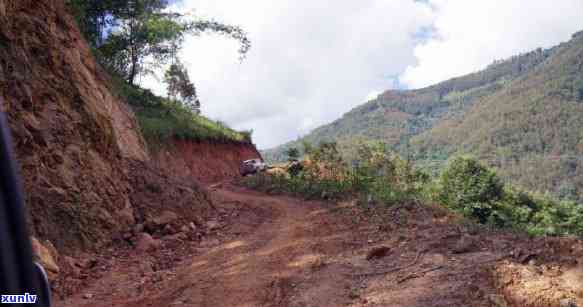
(156, 197)
(265, 250)
(71, 134)
(206, 162)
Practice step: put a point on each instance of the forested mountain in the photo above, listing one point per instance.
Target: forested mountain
(523, 115)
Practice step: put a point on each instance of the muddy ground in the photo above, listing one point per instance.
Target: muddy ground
(266, 250)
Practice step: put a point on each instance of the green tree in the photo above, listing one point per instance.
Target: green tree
(141, 35)
(180, 87)
(470, 187)
(308, 147)
(94, 17)
(292, 153)
(327, 152)
(568, 191)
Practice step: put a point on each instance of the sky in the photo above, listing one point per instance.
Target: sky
(313, 60)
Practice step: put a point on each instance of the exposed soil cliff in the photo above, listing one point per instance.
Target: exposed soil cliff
(87, 174)
(203, 161)
(71, 134)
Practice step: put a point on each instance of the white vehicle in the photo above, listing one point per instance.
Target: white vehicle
(252, 166)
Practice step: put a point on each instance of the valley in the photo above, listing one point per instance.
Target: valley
(520, 115)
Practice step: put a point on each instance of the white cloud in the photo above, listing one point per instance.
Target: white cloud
(471, 34)
(313, 60)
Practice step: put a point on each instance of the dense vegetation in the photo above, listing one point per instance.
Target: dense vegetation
(523, 116)
(134, 38)
(380, 177)
(531, 131)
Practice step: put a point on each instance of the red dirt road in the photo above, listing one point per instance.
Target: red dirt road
(281, 251)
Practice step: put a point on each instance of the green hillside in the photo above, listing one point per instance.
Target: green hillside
(163, 119)
(522, 115)
(532, 129)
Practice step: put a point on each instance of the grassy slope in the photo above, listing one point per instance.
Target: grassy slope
(161, 119)
(520, 110)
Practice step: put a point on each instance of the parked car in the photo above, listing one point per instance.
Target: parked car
(253, 166)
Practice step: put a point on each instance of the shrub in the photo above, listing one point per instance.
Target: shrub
(292, 153)
(514, 210)
(470, 187)
(537, 214)
(295, 168)
(379, 176)
(466, 186)
(385, 176)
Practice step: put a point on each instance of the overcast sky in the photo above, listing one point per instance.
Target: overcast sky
(313, 60)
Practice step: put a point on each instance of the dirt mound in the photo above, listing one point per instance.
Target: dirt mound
(542, 272)
(166, 212)
(206, 162)
(156, 192)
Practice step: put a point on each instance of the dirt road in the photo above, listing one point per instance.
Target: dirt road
(281, 251)
(265, 267)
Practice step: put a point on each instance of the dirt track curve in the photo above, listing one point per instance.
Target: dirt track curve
(281, 251)
(258, 269)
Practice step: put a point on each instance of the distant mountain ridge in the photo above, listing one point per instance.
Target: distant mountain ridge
(523, 110)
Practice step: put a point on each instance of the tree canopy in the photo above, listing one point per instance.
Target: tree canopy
(134, 37)
(180, 87)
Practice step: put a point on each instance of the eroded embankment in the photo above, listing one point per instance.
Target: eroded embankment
(71, 134)
(206, 162)
(89, 181)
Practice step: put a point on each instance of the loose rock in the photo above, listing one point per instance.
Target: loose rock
(138, 228)
(166, 217)
(378, 252)
(465, 245)
(497, 300)
(145, 242)
(71, 265)
(568, 302)
(178, 236)
(212, 225)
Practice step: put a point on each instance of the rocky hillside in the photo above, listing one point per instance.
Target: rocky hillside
(514, 112)
(89, 178)
(71, 134)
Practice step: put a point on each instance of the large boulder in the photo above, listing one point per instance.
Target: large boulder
(166, 217)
